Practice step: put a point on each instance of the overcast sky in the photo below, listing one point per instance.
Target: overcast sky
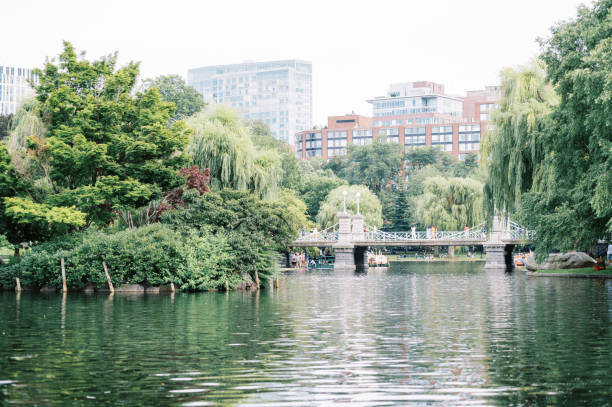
(357, 48)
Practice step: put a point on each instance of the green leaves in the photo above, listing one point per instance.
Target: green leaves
(369, 206)
(450, 203)
(42, 221)
(374, 165)
(173, 89)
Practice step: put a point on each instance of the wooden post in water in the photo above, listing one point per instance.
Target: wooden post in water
(257, 279)
(172, 289)
(110, 283)
(64, 285)
(18, 286)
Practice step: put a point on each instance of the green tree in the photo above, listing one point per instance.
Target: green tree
(88, 140)
(555, 169)
(263, 139)
(369, 206)
(514, 148)
(173, 89)
(450, 203)
(422, 157)
(314, 189)
(401, 212)
(5, 121)
(221, 143)
(375, 165)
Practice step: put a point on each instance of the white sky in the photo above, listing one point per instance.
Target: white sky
(357, 48)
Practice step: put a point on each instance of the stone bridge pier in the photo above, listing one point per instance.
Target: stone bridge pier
(349, 256)
(499, 254)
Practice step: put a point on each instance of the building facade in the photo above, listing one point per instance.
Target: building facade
(14, 87)
(278, 93)
(413, 115)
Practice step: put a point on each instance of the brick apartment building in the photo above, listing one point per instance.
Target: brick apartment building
(413, 114)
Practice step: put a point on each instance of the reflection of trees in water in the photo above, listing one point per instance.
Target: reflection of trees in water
(111, 348)
(553, 342)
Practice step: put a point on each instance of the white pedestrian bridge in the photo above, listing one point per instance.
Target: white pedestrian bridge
(350, 238)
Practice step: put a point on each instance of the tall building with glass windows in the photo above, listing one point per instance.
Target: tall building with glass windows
(14, 87)
(278, 93)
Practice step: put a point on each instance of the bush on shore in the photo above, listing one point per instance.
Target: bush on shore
(155, 254)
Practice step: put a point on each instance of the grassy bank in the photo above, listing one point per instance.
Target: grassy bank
(584, 271)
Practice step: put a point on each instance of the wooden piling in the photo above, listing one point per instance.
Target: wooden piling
(257, 279)
(64, 285)
(172, 289)
(18, 286)
(110, 283)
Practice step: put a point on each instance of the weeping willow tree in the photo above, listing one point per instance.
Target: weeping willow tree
(369, 206)
(26, 131)
(221, 143)
(450, 203)
(27, 147)
(512, 149)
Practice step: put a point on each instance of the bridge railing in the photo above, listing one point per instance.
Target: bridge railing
(327, 235)
(476, 234)
(517, 232)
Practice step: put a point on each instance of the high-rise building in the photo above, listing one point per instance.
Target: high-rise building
(14, 87)
(278, 93)
(414, 114)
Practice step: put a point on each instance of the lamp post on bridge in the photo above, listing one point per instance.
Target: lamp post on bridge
(344, 193)
(357, 196)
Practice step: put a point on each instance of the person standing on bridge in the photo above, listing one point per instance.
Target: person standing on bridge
(413, 232)
(466, 231)
(428, 233)
(435, 232)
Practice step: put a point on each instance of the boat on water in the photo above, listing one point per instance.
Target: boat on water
(520, 260)
(378, 260)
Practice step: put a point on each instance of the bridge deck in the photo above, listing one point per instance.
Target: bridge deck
(396, 243)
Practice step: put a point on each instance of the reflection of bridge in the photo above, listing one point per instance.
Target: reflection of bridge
(350, 240)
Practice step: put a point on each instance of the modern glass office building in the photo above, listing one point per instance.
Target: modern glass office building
(14, 87)
(278, 93)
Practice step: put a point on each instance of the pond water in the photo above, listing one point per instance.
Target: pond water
(417, 334)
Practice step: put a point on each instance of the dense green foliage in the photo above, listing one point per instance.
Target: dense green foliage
(375, 165)
(262, 137)
(450, 203)
(90, 153)
(221, 142)
(369, 206)
(563, 165)
(89, 141)
(4, 125)
(153, 254)
(173, 89)
(516, 145)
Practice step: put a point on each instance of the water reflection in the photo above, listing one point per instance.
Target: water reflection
(417, 334)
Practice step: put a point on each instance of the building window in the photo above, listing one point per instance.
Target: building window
(334, 152)
(469, 127)
(389, 132)
(414, 140)
(414, 130)
(442, 129)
